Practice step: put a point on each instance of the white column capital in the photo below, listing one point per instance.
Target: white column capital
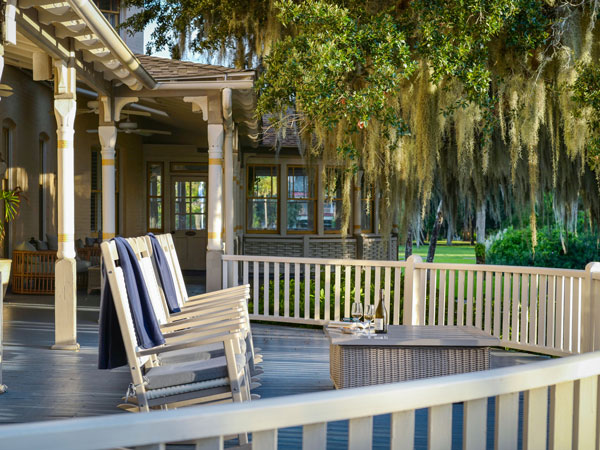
(108, 139)
(216, 137)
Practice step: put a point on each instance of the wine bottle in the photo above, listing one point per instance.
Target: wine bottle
(381, 325)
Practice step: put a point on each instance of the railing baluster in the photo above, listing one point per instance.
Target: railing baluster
(442, 298)
(506, 307)
(386, 289)
(423, 294)
(567, 311)
(377, 290)
(266, 309)
(543, 301)
(264, 440)
(440, 427)
(489, 281)
(317, 311)
(402, 430)
(470, 286)
(535, 416)
(297, 281)
(533, 308)
(561, 415)
(347, 281)
(497, 303)
(314, 436)
(367, 285)
(432, 294)
(397, 290)
(276, 289)
(585, 413)
(357, 283)
(551, 310)
(523, 339)
(479, 300)
(559, 309)
(360, 433)
(224, 283)
(507, 421)
(336, 293)
(307, 281)
(577, 293)
(286, 289)
(515, 308)
(475, 424)
(245, 272)
(236, 279)
(327, 307)
(256, 288)
(460, 302)
(451, 298)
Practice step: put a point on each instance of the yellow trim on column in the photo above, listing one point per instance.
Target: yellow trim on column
(63, 143)
(106, 236)
(355, 188)
(215, 161)
(214, 235)
(65, 237)
(108, 162)
(357, 227)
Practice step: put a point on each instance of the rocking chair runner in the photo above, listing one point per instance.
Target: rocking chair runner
(175, 385)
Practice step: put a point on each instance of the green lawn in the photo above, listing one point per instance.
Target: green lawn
(458, 252)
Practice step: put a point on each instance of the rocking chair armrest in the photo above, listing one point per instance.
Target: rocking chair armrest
(201, 299)
(229, 326)
(215, 338)
(202, 310)
(203, 319)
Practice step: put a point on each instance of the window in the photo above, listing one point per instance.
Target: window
(190, 205)
(96, 193)
(110, 9)
(332, 206)
(155, 197)
(263, 198)
(301, 199)
(367, 205)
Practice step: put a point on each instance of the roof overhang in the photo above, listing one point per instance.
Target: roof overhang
(77, 32)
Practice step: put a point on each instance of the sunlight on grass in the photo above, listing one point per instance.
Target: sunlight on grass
(459, 252)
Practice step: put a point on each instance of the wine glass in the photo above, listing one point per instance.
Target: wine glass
(369, 315)
(357, 311)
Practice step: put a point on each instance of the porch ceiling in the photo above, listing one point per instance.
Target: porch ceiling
(75, 30)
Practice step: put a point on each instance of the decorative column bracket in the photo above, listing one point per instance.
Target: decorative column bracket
(199, 104)
(112, 107)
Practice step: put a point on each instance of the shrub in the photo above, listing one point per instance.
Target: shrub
(513, 247)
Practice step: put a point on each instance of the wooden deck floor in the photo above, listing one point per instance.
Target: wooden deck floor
(46, 384)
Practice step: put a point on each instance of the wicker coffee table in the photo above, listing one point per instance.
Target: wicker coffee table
(406, 353)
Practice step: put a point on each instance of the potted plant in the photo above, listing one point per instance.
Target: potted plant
(11, 201)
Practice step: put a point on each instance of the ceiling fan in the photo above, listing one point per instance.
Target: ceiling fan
(93, 106)
(128, 127)
(5, 90)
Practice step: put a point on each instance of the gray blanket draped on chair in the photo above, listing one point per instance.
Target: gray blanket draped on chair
(111, 350)
(164, 274)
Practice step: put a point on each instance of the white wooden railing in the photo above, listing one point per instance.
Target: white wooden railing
(569, 420)
(550, 311)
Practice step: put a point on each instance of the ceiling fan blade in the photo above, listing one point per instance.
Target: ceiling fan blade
(92, 131)
(164, 132)
(85, 111)
(5, 94)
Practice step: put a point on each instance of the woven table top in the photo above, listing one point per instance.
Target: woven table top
(417, 336)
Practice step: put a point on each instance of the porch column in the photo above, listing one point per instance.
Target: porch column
(108, 139)
(65, 297)
(215, 207)
(228, 200)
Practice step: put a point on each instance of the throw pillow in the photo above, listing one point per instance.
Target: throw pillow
(52, 241)
(25, 246)
(41, 245)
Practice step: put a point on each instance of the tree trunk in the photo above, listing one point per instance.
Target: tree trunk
(435, 233)
(480, 224)
(472, 230)
(408, 245)
(450, 233)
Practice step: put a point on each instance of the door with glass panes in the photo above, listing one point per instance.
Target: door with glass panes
(189, 220)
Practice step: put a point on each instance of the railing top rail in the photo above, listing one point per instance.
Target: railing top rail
(495, 268)
(203, 422)
(321, 261)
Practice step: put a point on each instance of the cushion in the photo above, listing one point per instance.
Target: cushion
(41, 245)
(52, 241)
(192, 372)
(79, 243)
(26, 246)
(82, 265)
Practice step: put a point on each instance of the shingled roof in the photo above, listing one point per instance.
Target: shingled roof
(164, 69)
